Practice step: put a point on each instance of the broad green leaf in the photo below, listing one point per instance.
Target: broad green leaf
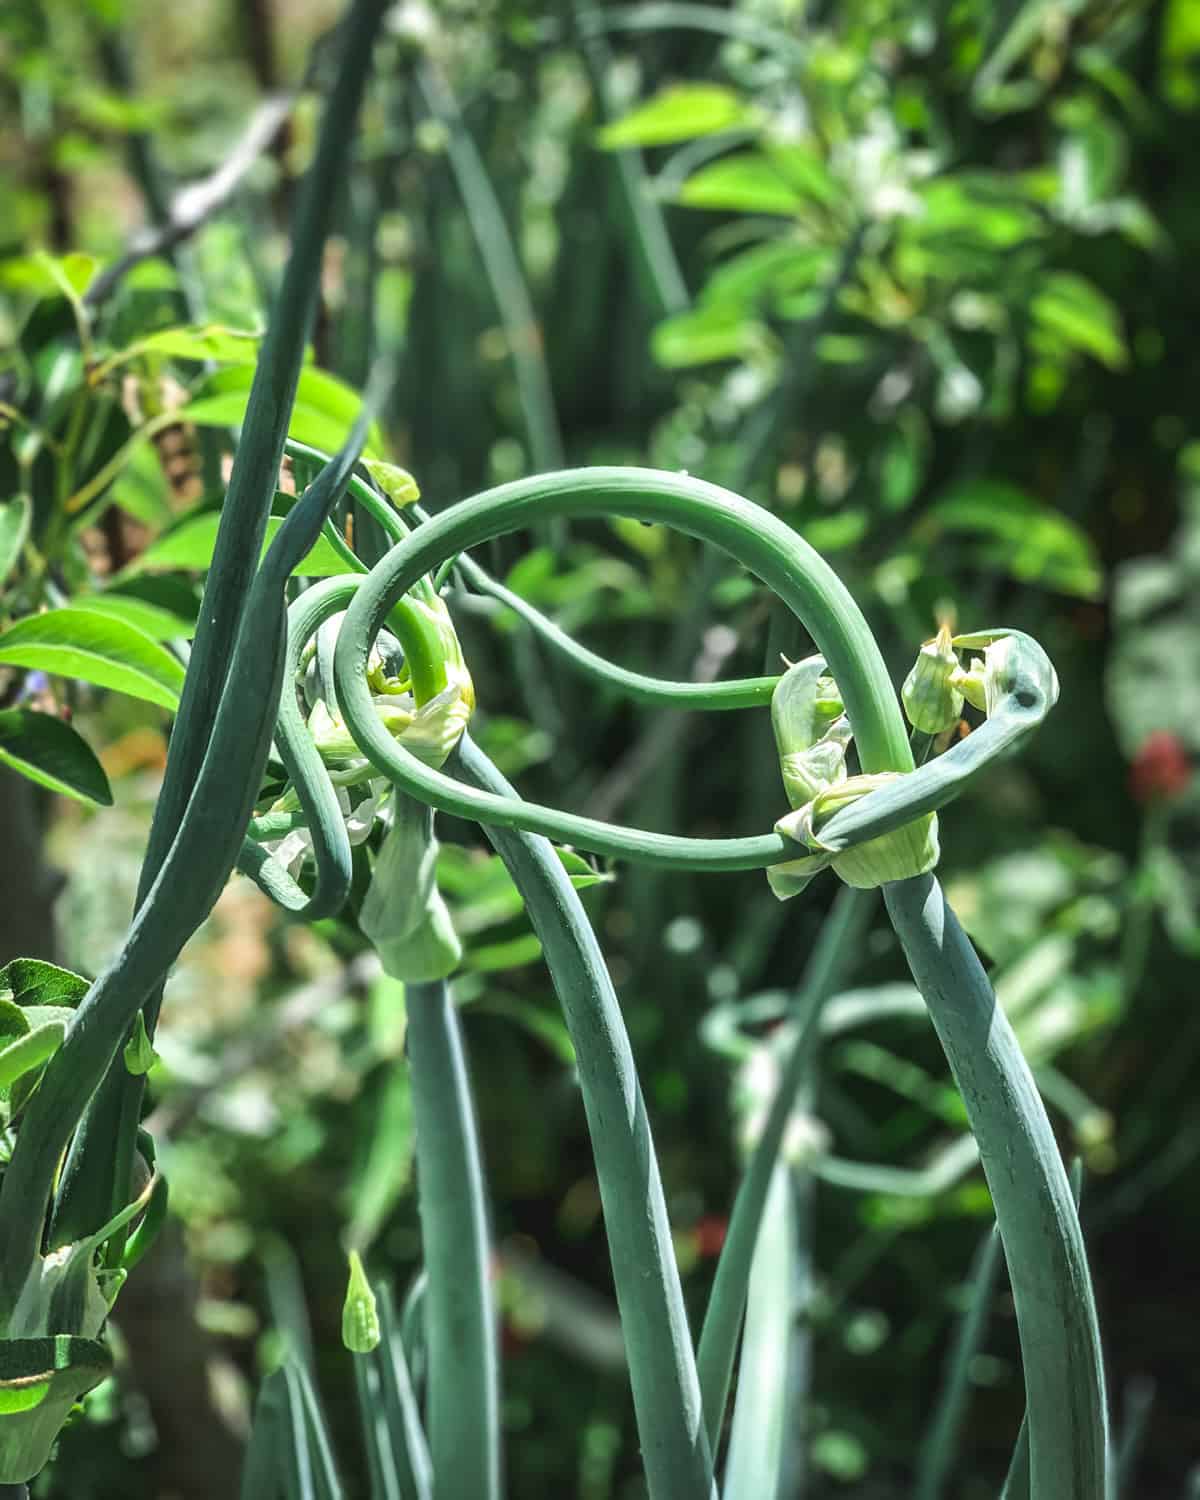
(396, 483)
(680, 113)
(324, 412)
(106, 651)
(228, 346)
(45, 275)
(764, 273)
(980, 208)
(746, 182)
(190, 548)
(1021, 534)
(1079, 314)
(152, 619)
(44, 749)
(512, 954)
(34, 982)
(707, 333)
(14, 529)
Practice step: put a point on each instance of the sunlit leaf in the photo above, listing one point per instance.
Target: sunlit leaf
(746, 182)
(1078, 313)
(325, 410)
(152, 619)
(1020, 534)
(680, 113)
(94, 648)
(708, 333)
(189, 548)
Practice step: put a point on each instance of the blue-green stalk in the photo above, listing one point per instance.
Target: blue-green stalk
(463, 1395)
(837, 944)
(666, 1391)
(96, 1176)
(1037, 1218)
(941, 1441)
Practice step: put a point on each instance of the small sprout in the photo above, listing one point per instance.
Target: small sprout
(932, 696)
(140, 1055)
(360, 1317)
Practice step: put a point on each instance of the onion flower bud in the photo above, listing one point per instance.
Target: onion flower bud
(403, 913)
(932, 696)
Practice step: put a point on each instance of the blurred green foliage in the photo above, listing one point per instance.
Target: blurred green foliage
(915, 275)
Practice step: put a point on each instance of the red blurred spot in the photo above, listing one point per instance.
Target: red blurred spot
(709, 1235)
(1161, 768)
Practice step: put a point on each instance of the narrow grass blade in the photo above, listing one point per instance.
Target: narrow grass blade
(839, 942)
(941, 1442)
(381, 1463)
(1056, 1316)
(757, 1440)
(414, 1470)
(262, 1469)
(463, 1399)
(502, 266)
(666, 1391)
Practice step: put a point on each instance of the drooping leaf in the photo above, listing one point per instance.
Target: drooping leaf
(95, 648)
(44, 749)
(701, 336)
(189, 548)
(1081, 316)
(325, 411)
(682, 112)
(1019, 533)
(746, 182)
(14, 529)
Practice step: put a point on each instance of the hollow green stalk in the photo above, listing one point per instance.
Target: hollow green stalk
(1037, 1218)
(666, 1391)
(463, 1399)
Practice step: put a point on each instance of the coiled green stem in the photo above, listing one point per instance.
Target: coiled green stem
(758, 540)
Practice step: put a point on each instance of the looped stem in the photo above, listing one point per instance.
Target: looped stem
(756, 538)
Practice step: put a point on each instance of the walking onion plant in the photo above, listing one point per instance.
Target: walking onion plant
(362, 688)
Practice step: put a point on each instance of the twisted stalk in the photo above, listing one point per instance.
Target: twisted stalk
(1036, 1217)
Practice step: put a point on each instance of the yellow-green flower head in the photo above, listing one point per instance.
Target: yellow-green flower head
(932, 694)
